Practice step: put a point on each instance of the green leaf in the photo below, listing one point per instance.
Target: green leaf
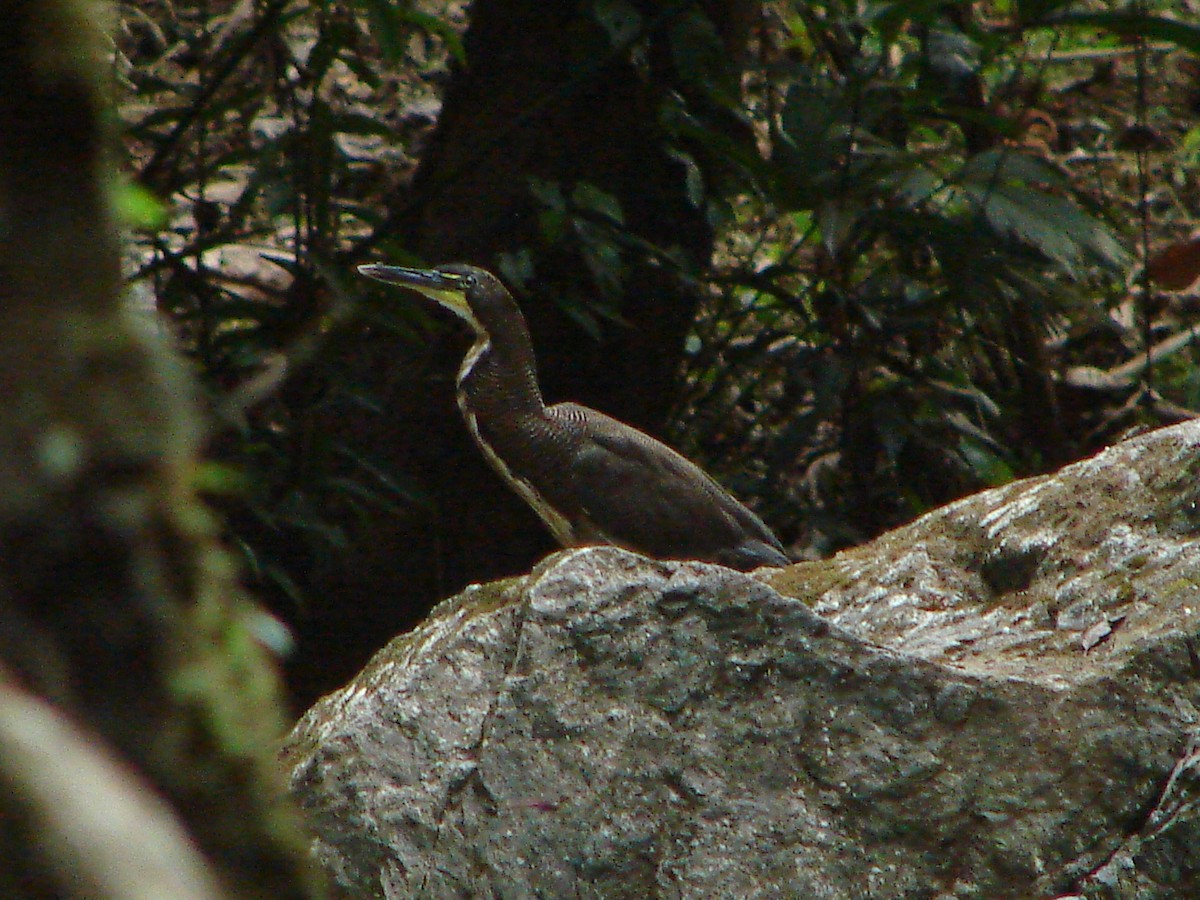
(693, 176)
(837, 218)
(1012, 166)
(387, 23)
(517, 267)
(1189, 147)
(986, 465)
(221, 479)
(1034, 11)
(579, 311)
(951, 55)
(890, 18)
(1010, 191)
(547, 193)
(810, 119)
(1051, 225)
(385, 27)
(359, 123)
(137, 206)
(380, 475)
(1131, 24)
(915, 185)
(814, 140)
(589, 197)
(700, 58)
(440, 28)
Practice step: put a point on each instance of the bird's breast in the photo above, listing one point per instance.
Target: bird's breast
(558, 524)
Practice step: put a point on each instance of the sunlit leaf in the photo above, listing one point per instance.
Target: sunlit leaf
(137, 206)
(1185, 35)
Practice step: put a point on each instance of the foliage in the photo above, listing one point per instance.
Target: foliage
(258, 124)
(926, 209)
(921, 254)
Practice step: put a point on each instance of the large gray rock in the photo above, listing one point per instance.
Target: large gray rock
(990, 702)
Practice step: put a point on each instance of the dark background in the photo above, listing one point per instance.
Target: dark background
(857, 264)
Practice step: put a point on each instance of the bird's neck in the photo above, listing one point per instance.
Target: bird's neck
(500, 377)
(503, 410)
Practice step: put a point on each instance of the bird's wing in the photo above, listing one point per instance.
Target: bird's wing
(641, 494)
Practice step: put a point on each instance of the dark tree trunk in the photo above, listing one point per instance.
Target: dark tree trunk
(117, 608)
(543, 95)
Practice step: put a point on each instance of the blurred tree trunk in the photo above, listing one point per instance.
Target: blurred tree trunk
(544, 94)
(116, 605)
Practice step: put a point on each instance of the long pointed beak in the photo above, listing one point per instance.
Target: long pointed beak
(445, 289)
(423, 280)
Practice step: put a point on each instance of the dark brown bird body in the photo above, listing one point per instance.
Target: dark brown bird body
(591, 478)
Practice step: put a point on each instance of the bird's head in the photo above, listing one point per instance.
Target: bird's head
(468, 292)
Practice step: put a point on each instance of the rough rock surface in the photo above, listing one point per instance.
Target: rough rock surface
(998, 700)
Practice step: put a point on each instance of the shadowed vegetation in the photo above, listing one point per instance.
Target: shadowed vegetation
(857, 259)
